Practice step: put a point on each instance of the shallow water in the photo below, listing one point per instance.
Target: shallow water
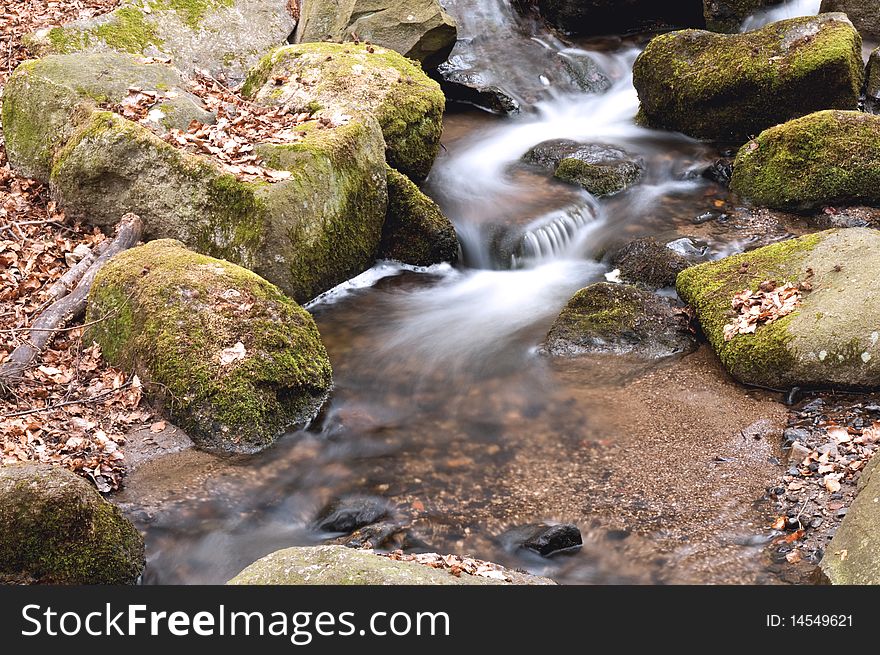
(443, 405)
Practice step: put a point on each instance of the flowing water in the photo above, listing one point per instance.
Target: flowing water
(443, 405)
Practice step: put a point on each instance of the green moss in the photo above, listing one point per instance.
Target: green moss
(710, 288)
(55, 528)
(598, 179)
(176, 318)
(830, 157)
(128, 31)
(191, 12)
(730, 87)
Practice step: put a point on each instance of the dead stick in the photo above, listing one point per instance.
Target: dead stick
(69, 307)
(69, 280)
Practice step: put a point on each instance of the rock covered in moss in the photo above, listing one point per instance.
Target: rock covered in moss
(853, 556)
(601, 169)
(306, 234)
(730, 87)
(56, 528)
(333, 80)
(416, 231)
(872, 83)
(340, 565)
(418, 29)
(620, 319)
(831, 339)
(618, 16)
(830, 157)
(865, 15)
(223, 37)
(42, 97)
(234, 361)
(728, 15)
(647, 262)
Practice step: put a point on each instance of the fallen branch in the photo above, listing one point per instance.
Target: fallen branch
(67, 308)
(67, 282)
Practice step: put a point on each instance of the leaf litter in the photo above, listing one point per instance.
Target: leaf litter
(762, 307)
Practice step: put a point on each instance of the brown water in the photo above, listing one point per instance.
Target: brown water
(443, 406)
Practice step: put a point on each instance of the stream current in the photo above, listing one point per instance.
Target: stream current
(444, 407)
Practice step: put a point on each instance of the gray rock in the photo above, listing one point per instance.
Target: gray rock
(728, 15)
(647, 262)
(543, 538)
(872, 83)
(600, 169)
(418, 29)
(338, 565)
(864, 14)
(833, 337)
(56, 528)
(350, 514)
(620, 319)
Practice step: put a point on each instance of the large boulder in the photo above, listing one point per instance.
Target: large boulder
(330, 79)
(42, 96)
(56, 528)
(730, 87)
(865, 15)
(622, 320)
(418, 29)
(826, 158)
(853, 556)
(224, 37)
(831, 339)
(728, 15)
(235, 363)
(340, 565)
(872, 83)
(416, 231)
(618, 16)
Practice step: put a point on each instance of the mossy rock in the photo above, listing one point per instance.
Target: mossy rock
(872, 83)
(649, 263)
(170, 315)
(417, 29)
(728, 15)
(56, 528)
(331, 79)
(340, 565)
(224, 37)
(826, 158)
(42, 96)
(620, 319)
(853, 556)
(730, 87)
(599, 179)
(416, 231)
(306, 234)
(831, 340)
(864, 14)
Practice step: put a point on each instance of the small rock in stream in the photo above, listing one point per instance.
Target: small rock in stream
(349, 514)
(543, 538)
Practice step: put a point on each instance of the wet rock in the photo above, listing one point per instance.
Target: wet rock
(331, 80)
(618, 16)
(543, 538)
(349, 514)
(620, 319)
(872, 83)
(334, 565)
(864, 14)
(647, 262)
(417, 29)
(729, 87)
(233, 361)
(788, 166)
(600, 169)
(416, 231)
(831, 339)
(56, 528)
(728, 15)
(687, 248)
(223, 37)
(719, 171)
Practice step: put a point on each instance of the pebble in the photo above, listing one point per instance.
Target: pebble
(543, 538)
(349, 514)
(797, 454)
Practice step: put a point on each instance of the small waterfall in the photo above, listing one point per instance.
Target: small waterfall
(790, 9)
(554, 235)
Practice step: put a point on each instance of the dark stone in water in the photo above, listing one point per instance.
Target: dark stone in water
(543, 538)
(719, 172)
(349, 514)
(647, 262)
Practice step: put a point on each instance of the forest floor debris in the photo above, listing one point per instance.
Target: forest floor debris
(762, 307)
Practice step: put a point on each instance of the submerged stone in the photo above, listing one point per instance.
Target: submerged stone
(825, 158)
(233, 361)
(620, 319)
(601, 169)
(56, 528)
(544, 539)
(332, 80)
(833, 337)
(339, 565)
(350, 514)
(730, 87)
